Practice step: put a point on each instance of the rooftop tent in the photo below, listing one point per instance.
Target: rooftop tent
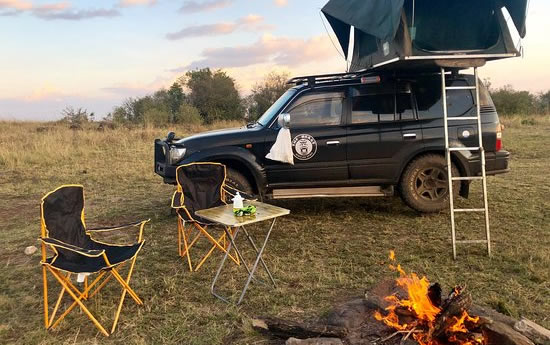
(389, 31)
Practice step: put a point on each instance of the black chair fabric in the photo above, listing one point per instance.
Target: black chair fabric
(200, 188)
(63, 214)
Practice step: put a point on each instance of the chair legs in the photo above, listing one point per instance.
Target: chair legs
(79, 296)
(185, 244)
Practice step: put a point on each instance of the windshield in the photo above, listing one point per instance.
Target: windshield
(268, 115)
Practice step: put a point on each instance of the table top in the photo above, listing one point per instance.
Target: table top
(224, 214)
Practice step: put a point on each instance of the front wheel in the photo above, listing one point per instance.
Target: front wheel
(237, 182)
(424, 185)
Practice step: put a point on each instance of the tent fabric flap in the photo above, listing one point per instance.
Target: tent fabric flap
(518, 12)
(379, 18)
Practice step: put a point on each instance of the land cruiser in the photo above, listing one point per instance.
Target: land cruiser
(358, 134)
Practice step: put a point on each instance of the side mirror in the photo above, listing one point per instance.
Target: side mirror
(284, 120)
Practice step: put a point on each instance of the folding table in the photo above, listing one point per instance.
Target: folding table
(224, 215)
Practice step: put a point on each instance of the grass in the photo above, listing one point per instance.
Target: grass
(325, 251)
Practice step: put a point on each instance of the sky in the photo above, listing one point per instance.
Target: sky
(95, 54)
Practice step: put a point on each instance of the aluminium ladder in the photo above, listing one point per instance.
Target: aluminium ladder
(449, 150)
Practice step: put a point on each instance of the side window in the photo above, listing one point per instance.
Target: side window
(373, 108)
(317, 110)
(428, 99)
(404, 107)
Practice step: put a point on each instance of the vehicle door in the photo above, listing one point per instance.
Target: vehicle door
(382, 129)
(318, 141)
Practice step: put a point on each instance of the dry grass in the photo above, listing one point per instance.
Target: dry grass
(324, 251)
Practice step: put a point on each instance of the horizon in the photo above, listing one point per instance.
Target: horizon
(73, 53)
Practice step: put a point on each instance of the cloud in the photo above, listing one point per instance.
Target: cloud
(54, 10)
(250, 22)
(16, 5)
(130, 3)
(76, 14)
(269, 49)
(281, 3)
(191, 6)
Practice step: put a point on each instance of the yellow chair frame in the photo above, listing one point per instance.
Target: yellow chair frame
(185, 228)
(50, 322)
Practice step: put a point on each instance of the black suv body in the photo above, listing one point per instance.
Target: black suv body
(359, 135)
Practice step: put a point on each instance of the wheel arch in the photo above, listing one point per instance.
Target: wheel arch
(238, 159)
(459, 162)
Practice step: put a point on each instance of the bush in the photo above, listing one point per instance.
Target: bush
(188, 115)
(157, 117)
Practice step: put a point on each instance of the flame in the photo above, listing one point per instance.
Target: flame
(424, 312)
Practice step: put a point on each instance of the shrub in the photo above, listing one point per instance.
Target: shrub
(188, 115)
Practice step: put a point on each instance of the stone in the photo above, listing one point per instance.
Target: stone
(314, 341)
(30, 250)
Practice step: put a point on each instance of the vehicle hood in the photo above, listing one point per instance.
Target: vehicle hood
(232, 136)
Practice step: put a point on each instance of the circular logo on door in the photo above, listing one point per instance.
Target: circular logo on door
(304, 147)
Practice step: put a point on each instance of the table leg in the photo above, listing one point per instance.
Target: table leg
(258, 258)
(231, 244)
(249, 237)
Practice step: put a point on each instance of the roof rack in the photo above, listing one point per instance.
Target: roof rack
(326, 78)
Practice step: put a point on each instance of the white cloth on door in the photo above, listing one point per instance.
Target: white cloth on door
(282, 149)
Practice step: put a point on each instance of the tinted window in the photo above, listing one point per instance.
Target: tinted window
(373, 108)
(268, 115)
(404, 108)
(428, 99)
(317, 110)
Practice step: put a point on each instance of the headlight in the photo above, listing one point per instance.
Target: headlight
(176, 154)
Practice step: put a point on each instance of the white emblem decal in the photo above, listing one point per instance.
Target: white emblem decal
(304, 147)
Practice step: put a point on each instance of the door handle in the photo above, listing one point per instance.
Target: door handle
(409, 136)
(333, 143)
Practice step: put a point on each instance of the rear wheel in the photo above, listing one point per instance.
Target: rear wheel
(236, 181)
(424, 185)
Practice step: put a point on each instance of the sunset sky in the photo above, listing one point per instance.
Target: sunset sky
(94, 54)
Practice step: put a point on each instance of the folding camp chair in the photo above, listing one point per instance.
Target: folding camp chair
(75, 252)
(200, 186)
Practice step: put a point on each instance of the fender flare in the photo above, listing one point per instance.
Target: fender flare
(239, 154)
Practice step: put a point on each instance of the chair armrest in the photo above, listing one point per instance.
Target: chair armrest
(176, 200)
(117, 227)
(141, 225)
(85, 252)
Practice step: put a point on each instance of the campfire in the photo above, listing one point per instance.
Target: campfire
(424, 314)
(407, 311)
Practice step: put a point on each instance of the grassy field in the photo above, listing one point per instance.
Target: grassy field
(324, 252)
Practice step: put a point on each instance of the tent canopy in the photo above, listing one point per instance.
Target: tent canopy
(380, 19)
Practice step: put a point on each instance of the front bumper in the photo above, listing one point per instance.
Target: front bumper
(162, 164)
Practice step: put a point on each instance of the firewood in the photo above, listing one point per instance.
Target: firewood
(289, 329)
(454, 306)
(537, 333)
(498, 333)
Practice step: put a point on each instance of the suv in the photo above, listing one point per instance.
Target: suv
(354, 135)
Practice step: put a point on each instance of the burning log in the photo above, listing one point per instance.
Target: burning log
(408, 311)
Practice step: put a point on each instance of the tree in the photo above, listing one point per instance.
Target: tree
(214, 94)
(75, 117)
(265, 93)
(176, 97)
